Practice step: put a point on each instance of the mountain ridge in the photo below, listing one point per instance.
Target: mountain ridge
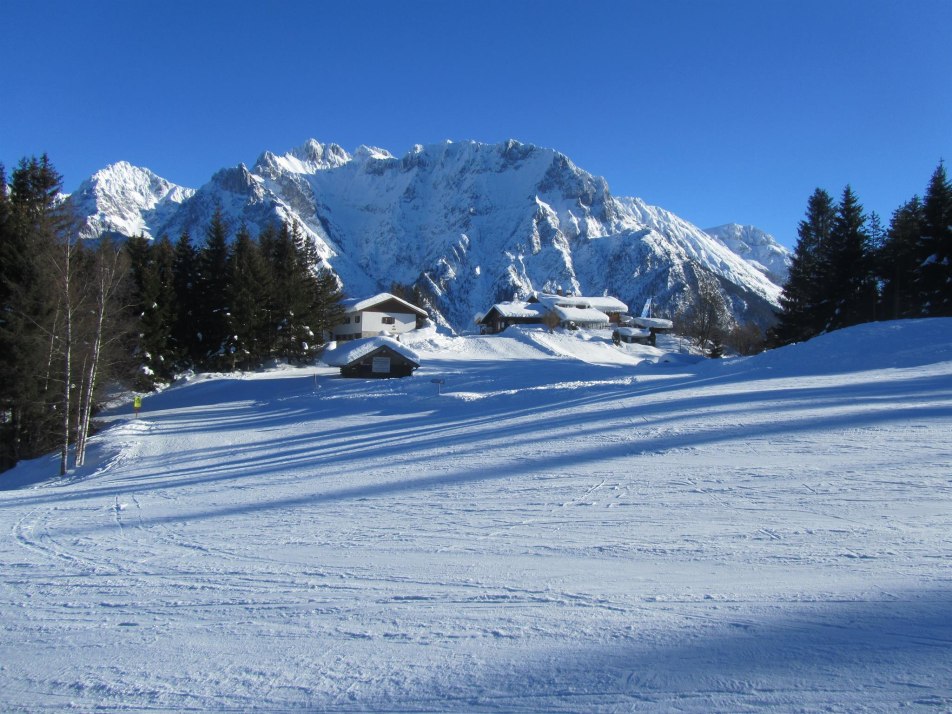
(467, 223)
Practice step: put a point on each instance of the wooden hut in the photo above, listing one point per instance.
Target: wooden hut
(372, 357)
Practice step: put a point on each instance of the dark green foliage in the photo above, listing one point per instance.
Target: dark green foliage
(213, 317)
(62, 320)
(184, 338)
(153, 304)
(803, 313)
(832, 282)
(328, 310)
(848, 290)
(897, 262)
(58, 310)
(847, 269)
(934, 272)
(249, 288)
(301, 303)
(30, 316)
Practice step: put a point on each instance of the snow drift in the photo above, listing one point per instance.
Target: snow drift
(564, 526)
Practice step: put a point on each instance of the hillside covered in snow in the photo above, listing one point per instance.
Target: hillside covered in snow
(561, 525)
(469, 224)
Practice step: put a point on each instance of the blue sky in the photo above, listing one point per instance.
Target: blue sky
(719, 110)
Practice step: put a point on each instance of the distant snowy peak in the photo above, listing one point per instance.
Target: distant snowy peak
(309, 158)
(686, 243)
(126, 199)
(756, 247)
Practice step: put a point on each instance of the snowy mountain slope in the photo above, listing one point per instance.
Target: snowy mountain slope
(555, 531)
(473, 224)
(126, 200)
(756, 247)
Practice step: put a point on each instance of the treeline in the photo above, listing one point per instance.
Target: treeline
(74, 315)
(848, 269)
(230, 304)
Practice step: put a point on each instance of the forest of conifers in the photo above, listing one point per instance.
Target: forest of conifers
(75, 315)
(847, 269)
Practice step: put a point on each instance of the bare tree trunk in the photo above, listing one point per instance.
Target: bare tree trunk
(67, 346)
(108, 276)
(82, 419)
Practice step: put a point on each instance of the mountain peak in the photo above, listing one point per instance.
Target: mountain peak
(124, 198)
(468, 223)
(308, 158)
(756, 247)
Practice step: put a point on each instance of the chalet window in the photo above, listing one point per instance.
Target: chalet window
(387, 320)
(357, 319)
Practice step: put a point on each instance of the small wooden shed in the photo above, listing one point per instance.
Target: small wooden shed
(372, 357)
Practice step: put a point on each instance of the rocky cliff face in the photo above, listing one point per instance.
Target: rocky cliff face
(468, 223)
(756, 247)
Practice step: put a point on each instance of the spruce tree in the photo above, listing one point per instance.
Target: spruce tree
(153, 301)
(34, 228)
(212, 300)
(7, 434)
(802, 313)
(934, 273)
(162, 315)
(248, 297)
(184, 337)
(328, 310)
(898, 260)
(303, 301)
(849, 285)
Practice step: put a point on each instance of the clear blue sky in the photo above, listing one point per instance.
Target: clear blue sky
(719, 110)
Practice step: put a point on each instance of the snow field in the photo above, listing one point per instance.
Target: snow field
(567, 526)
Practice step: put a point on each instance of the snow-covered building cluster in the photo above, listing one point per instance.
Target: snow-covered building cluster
(567, 311)
(575, 312)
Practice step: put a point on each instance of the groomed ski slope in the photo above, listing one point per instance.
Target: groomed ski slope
(567, 526)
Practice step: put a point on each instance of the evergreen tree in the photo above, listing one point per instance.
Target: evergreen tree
(897, 261)
(268, 251)
(7, 433)
(289, 297)
(212, 300)
(153, 302)
(328, 310)
(802, 313)
(302, 301)
(849, 287)
(248, 296)
(185, 342)
(34, 226)
(934, 273)
(162, 316)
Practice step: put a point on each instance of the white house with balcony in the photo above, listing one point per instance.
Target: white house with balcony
(383, 313)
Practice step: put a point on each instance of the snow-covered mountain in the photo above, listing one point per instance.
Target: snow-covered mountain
(126, 200)
(469, 223)
(756, 247)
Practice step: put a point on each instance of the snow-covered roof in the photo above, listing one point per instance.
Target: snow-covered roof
(581, 315)
(605, 303)
(659, 323)
(517, 309)
(346, 352)
(360, 304)
(633, 331)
